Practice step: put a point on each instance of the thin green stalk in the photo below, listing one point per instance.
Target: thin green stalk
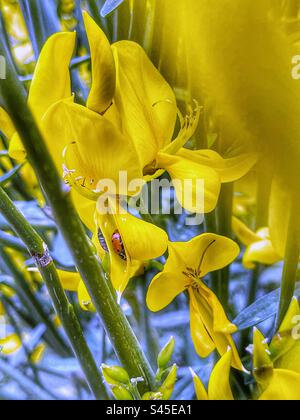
(115, 323)
(224, 215)
(65, 311)
(291, 261)
(211, 227)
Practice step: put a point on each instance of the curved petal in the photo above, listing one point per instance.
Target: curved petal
(70, 281)
(16, 149)
(221, 322)
(208, 252)
(85, 208)
(262, 363)
(284, 386)
(230, 169)
(200, 390)
(164, 288)
(145, 100)
(84, 298)
(99, 151)
(220, 340)
(189, 125)
(203, 341)
(261, 252)
(51, 81)
(103, 67)
(197, 186)
(219, 385)
(142, 240)
(6, 124)
(245, 235)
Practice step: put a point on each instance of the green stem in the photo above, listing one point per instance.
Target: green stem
(115, 323)
(65, 311)
(224, 215)
(291, 261)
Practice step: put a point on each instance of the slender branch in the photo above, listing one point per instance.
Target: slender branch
(37, 248)
(224, 214)
(115, 323)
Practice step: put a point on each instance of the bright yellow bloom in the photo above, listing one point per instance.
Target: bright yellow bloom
(136, 242)
(186, 267)
(219, 384)
(276, 366)
(259, 247)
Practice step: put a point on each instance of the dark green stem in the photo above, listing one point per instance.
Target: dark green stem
(65, 311)
(224, 225)
(115, 323)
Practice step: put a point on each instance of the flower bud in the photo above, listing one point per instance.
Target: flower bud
(121, 393)
(115, 375)
(165, 355)
(167, 387)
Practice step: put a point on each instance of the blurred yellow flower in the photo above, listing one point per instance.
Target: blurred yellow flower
(276, 366)
(259, 247)
(186, 267)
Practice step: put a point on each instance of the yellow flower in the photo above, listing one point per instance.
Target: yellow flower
(219, 384)
(259, 247)
(10, 344)
(187, 265)
(128, 241)
(276, 366)
(51, 83)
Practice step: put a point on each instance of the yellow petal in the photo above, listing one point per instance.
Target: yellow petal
(210, 252)
(16, 149)
(201, 392)
(219, 385)
(197, 186)
(142, 240)
(203, 341)
(262, 363)
(261, 252)
(103, 67)
(98, 152)
(230, 169)
(70, 281)
(84, 298)
(51, 81)
(221, 322)
(189, 125)
(6, 124)
(10, 344)
(163, 290)
(284, 385)
(245, 235)
(85, 208)
(221, 341)
(145, 100)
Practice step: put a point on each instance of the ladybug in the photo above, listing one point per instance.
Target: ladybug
(118, 245)
(102, 241)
